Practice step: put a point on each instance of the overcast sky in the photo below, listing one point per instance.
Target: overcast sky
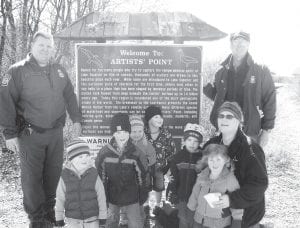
(274, 27)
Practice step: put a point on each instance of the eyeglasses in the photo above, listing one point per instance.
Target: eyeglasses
(228, 117)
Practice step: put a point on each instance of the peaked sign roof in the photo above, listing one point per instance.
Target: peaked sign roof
(137, 26)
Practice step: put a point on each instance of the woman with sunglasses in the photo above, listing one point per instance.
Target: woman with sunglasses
(250, 169)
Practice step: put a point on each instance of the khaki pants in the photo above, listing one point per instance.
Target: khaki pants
(238, 223)
(76, 223)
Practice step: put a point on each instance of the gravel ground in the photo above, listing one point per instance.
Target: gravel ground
(283, 162)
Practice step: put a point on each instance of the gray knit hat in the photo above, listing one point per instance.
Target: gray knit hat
(136, 120)
(76, 148)
(234, 108)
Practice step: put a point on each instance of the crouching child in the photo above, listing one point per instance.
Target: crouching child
(123, 174)
(80, 195)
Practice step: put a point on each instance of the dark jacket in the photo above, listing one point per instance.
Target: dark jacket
(183, 171)
(250, 170)
(40, 95)
(259, 106)
(81, 197)
(123, 175)
(164, 146)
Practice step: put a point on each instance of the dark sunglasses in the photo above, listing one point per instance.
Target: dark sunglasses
(222, 116)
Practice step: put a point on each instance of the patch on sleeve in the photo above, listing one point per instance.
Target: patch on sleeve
(60, 73)
(5, 80)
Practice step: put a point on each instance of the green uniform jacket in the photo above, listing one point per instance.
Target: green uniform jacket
(40, 95)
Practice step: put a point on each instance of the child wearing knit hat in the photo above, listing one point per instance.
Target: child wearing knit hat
(80, 195)
(147, 156)
(120, 166)
(184, 172)
(139, 139)
(161, 139)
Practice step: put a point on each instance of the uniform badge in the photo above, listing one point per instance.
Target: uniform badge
(5, 80)
(60, 73)
(252, 79)
(235, 159)
(260, 112)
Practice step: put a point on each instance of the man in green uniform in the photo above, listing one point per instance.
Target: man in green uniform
(34, 96)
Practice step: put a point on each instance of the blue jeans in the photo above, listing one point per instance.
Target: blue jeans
(133, 213)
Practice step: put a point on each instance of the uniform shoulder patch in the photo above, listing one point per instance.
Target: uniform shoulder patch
(5, 80)
(60, 73)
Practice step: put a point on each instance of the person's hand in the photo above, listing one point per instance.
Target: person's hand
(102, 223)
(60, 223)
(223, 202)
(13, 144)
(190, 215)
(77, 130)
(263, 138)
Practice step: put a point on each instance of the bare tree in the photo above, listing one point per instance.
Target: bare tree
(13, 32)
(31, 11)
(24, 28)
(3, 30)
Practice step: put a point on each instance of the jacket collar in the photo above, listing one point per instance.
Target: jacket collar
(185, 151)
(69, 165)
(228, 61)
(32, 61)
(205, 174)
(129, 147)
(240, 140)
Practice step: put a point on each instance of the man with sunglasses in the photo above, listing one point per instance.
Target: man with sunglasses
(249, 84)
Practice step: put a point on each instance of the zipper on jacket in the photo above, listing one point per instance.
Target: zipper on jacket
(79, 195)
(188, 172)
(206, 205)
(48, 73)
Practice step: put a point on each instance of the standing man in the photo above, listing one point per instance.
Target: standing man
(34, 96)
(251, 85)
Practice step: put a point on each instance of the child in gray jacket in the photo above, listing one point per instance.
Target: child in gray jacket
(80, 195)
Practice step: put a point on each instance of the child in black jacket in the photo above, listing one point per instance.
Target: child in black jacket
(184, 172)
